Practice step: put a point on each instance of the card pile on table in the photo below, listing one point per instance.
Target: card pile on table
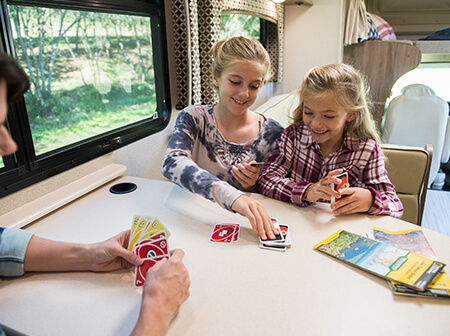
(281, 242)
(148, 240)
(225, 233)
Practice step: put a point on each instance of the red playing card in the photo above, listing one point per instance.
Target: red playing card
(141, 271)
(237, 233)
(152, 248)
(223, 233)
(344, 184)
(284, 230)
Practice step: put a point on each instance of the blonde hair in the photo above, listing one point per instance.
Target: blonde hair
(347, 89)
(227, 52)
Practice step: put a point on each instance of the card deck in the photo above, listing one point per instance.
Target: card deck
(272, 247)
(344, 184)
(278, 245)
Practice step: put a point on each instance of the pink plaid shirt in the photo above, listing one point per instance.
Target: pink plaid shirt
(297, 163)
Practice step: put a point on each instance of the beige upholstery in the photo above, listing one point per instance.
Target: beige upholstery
(418, 117)
(280, 107)
(408, 169)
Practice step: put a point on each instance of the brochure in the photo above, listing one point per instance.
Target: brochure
(389, 262)
(414, 240)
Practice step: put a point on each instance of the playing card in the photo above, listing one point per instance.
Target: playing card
(153, 227)
(152, 248)
(237, 233)
(141, 271)
(344, 184)
(285, 231)
(139, 223)
(224, 233)
(273, 248)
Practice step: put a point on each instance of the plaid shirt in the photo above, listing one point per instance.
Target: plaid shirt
(297, 163)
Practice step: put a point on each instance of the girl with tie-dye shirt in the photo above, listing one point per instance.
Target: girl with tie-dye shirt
(213, 146)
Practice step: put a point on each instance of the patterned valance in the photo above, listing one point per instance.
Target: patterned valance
(196, 29)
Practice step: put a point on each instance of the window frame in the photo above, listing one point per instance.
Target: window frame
(24, 168)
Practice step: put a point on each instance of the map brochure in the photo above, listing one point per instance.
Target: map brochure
(414, 240)
(381, 259)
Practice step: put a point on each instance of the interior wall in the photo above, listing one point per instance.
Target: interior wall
(313, 36)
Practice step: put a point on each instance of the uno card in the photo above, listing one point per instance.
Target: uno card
(139, 223)
(151, 232)
(237, 233)
(152, 248)
(153, 227)
(344, 184)
(141, 271)
(223, 233)
(273, 248)
(285, 232)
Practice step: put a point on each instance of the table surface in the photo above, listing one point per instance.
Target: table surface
(237, 289)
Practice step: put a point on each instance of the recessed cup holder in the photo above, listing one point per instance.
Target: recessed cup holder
(123, 188)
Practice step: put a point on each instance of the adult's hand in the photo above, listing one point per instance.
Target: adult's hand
(166, 288)
(45, 255)
(113, 254)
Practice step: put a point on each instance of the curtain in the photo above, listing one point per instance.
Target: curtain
(196, 26)
(355, 22)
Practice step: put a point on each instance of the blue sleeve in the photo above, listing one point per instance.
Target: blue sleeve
(13, 246)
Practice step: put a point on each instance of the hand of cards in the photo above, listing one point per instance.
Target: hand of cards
(344, 184)
(148, 239)
(281, 241)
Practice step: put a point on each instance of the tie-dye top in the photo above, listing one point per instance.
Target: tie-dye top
(199, 159)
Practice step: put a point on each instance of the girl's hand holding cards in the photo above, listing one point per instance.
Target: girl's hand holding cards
(323, 189)
(351, 200)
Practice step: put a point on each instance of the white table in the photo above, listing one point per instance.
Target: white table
(237, 289)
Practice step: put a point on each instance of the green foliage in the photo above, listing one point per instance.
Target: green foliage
(78, 63)
(240, 25)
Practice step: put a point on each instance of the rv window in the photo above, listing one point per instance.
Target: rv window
(241, 25)
(434, 75)
(97, 83)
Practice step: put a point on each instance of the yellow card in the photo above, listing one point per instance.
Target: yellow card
(139, 224)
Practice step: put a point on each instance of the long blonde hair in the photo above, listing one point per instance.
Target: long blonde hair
(347, 89)
(233, 49)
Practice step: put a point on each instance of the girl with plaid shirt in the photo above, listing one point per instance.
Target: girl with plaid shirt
(331, 132)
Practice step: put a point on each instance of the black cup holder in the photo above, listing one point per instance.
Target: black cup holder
(123, 188)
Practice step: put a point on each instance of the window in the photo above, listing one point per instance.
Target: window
(245, 25)
(97, 82)
(434, 75)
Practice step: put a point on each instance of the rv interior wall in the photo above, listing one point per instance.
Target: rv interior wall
(313, 36)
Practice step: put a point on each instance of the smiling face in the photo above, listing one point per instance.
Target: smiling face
(7, 144)
(238, 86)
(326, 122)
